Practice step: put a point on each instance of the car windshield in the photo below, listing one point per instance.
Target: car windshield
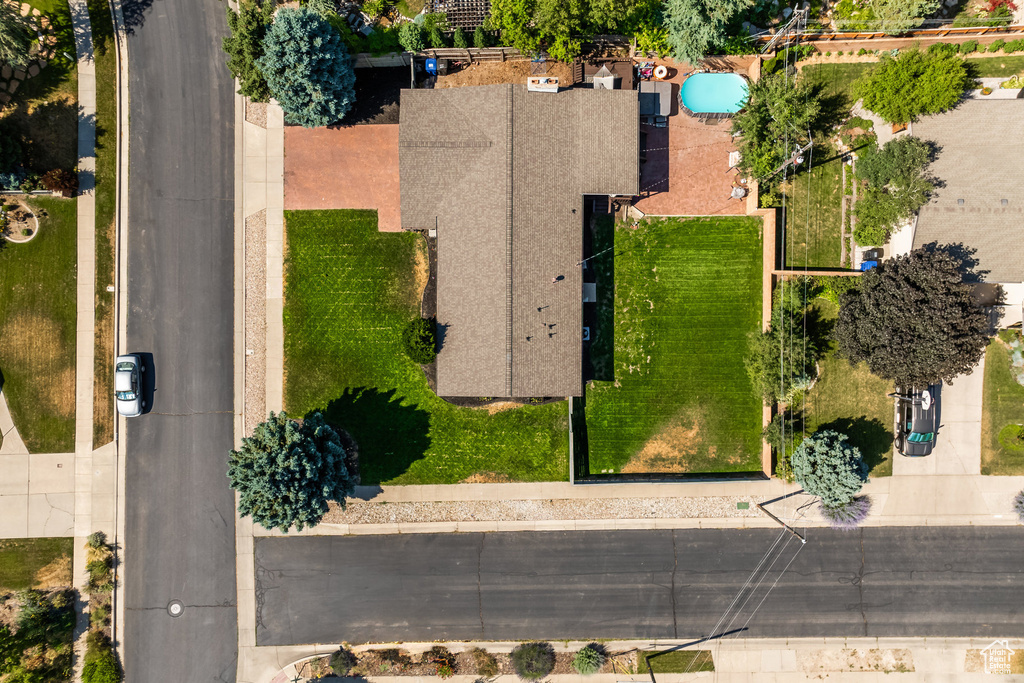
(125, 367)
(125, 395)
(918, 437)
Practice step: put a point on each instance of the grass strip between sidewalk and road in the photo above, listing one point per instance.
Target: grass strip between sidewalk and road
(38, 327)
(676, 662)
(349, 292)
(104, 50)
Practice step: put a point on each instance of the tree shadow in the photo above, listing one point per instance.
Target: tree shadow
(969, 264)
(870, 436)
(834, 108)
(389, 436)
(134, 13)
(48, 135)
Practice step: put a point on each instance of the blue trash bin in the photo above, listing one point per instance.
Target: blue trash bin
(432, 66)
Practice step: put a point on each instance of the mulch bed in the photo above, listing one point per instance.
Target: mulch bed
(377, 95)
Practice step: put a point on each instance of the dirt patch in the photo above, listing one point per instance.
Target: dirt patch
(103, 363)
(487, 478)
(486, 73)
(669, 450)
(35, 343)
(55, 574)
(975, 662)
(421, 271)
(855, 660)
(378, 93)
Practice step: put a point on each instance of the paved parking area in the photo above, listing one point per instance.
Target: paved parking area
(354, 167)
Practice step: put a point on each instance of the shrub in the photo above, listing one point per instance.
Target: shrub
(1011, 437)
(97, 540)
(486, 663)
(342, 662)
(419, 340)
(1018, 505)
(287, 471)
(996, 45)
(375, 8)
(861, 52)
(832, 287)
(968, 46)
(828, 53)
(442, 658)
(1011, 46)
(914, 83)
(308, 69)
(436, 38)
(827, 466)
(533, 661)
(99, 574)
(479, 37)
(101, 665)
(244, 46)
(840, 53)
(45, 617)
(589, 659)
(99, 616)
(849, 516)
(986, 90)
(394, 656)
(61, 181)
(410, 36)
(459, 39)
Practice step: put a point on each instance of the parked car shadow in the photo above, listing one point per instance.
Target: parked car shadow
(389, 436)
(147, 382)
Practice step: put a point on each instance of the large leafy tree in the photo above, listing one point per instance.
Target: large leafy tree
(914, 83)
(16, 35)
(695, 26)
(914, 318)
(244, 46)
(827, 466)
(308, 68)
(514, 19)
(896, 187)
(287, 471)
(779, 111)
(897, 16)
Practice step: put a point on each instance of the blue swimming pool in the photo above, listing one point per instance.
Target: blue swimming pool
(714, 93)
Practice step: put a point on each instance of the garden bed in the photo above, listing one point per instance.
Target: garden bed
(687, 295)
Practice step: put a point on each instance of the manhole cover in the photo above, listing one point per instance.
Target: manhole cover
(175, 608)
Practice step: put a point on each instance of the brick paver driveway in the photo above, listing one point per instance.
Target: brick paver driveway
(355, 167)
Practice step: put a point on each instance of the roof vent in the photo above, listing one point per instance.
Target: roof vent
(1004, 202)
(960, 202)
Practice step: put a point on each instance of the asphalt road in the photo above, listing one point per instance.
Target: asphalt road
(180, 522)
(953, 581)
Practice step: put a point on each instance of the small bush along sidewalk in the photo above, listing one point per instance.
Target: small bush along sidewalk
(101, 664)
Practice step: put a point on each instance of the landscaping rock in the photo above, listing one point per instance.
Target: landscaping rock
(33, 70)
(19, 74)
(6, 71)
(26, 9)
(4, 98)
(13, 85)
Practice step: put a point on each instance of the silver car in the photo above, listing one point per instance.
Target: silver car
(127, 387)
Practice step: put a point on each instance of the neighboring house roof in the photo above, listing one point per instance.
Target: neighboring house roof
(501, 173)
(980, 160)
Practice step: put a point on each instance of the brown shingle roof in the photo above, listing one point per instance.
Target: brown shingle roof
(501, 173)
(980, 160)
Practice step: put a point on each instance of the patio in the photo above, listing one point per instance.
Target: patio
(353, 167)
(686, 171)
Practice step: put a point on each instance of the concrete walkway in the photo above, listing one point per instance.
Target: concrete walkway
(12, 441)
(37, 495)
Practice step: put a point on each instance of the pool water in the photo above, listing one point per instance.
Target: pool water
(714, 93)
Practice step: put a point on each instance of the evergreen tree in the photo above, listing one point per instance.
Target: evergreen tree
(16, 35)
(914, 318)
(308, 69)
(459, 39)
(695, 26)
(479, 37)
(287, 471)
(244, 46)
(410, 36)
(830, 468)
(914, 83)
(324, 8)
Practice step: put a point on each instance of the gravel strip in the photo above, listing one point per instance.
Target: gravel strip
(362, 512)
(256, 113)
(255, 319)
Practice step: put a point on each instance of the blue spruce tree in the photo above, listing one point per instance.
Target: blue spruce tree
(287, 471)
(308, 69)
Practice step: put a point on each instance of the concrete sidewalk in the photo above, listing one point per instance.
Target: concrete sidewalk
(735, 659)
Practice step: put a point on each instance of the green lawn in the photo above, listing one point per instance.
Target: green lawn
(814, 214)
(687, 294)
(1003, 404)
(836, 81)
(106, 191)
(21, 559)
(997, 65)
(349, 292)
(678, 662)
(37, 329)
